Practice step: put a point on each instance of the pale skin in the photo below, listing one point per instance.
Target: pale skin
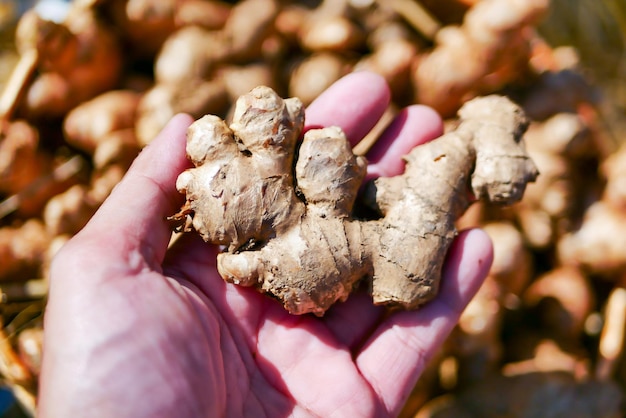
(134, 329)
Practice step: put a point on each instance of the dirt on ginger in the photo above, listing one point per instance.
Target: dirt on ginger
(288, 227)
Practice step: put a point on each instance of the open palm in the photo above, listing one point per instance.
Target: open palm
(136, 329)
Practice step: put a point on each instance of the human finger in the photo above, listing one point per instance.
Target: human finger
(397, 353)
(412, 126)
(352, 321)
(355, 103)
(137, 208)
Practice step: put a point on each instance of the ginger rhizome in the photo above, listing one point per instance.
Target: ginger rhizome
(288, 226)
(490, 49)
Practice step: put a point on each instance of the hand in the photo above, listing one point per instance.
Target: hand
(134, 329)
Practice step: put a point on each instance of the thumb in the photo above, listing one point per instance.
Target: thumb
(134, 215)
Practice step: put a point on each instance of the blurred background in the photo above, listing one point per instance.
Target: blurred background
(86, 84)
(597, 29)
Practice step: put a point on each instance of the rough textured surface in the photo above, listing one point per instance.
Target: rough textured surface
(287, 226)
(484, 156)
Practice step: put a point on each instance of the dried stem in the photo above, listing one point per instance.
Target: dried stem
(417, 16)
(612, 337)
(11, 367)
(63, 172)
(18, 83)
(370, 139)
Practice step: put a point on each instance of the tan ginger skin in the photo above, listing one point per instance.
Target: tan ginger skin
(296, 238)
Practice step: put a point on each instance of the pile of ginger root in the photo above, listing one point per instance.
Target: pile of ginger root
(90, 90)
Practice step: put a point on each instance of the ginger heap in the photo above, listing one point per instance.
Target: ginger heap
(288, 226)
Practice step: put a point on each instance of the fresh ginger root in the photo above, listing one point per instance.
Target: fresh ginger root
(489, 50)
(484, 156)
(22, 250)
(597, 245)
(295, 237)
(76, 60)
(186, 68)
